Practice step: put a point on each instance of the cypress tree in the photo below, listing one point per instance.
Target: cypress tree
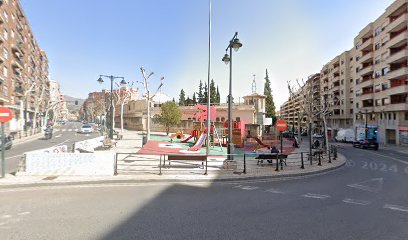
(200, 94)
(182, 98)
(269, 104)
(218, 98)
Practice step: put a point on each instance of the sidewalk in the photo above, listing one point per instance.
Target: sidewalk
(147, 168)
(401, 149)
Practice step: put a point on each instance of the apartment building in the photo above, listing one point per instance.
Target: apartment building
(381, 86)
(24, 85)
(366, 87)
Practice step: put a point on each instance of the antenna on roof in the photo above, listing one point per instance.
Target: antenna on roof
(254, 85)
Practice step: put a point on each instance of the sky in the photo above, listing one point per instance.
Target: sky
(291, 38)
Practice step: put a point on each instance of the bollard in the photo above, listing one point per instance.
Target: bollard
(277, 163)
(320, 160)
(329, 157)
(281, 162)
(244, 164)
(160, 165)
(335, 153)
(301, 158)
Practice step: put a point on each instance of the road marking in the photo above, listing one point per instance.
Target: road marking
(273, 190)
(393, 158)
(23, 213)
(64, 130)
(76, 130)
(69, 130)
(318, 196)
(6, 216)
(396, 207)
(60, 143)
(313, 195)
(246, 187)
(14, 156)
(372, 185)
(58, 136)
(356, 201)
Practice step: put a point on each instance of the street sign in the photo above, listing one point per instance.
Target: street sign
(5, 115)
(281, 125)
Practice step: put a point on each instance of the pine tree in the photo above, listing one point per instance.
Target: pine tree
(218, 98)
(213, 92)
(200, 92)
(182, 98)
(174, 100)
(269, 104)
(205, 97)
(194, 99)
(188, 102)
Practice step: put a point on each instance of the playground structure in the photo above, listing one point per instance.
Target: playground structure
(178, 135)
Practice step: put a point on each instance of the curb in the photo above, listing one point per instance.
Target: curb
(167, 180)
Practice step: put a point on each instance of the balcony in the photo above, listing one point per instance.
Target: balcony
(18, 91)
(17, 64)
(366, 70)
(398, 23)
(398, 56)
(398, 40)
(393, 107)
(400, 72)
(366, 96)
(367, 44)
(367, 57)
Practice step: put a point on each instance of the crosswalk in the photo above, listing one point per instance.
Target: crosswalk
(67, 130)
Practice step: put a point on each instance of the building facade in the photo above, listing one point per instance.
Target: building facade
(24, 85)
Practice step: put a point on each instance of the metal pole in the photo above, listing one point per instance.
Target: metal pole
(366, 125)
(229, 147)
(244, 164)
(3, 163)
(111, 110)
(281, 142)
(148, 115)
(208, 88)
(301, 158)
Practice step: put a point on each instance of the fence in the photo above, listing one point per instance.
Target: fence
(246, 163)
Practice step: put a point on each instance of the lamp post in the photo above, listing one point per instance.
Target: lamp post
(123, 82)
(233, 44)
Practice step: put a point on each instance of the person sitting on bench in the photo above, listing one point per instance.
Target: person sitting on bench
(274, 150)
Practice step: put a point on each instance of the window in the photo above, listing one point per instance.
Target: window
(377, 60)
(377, 87)
(357, 93)
(395, 116)
(238, 119)
(378, 102)
(377, 46)
(351, 111)
(384, 86)
(384, 41)
(351, 59)
(377, 31)
(5, 16)
(385, 71)
(358, 46)
(389, 116)
(377, 74)
(5, 90)
(217, 119)
(356, 105)
(5, 53)
(342, 82)
(357, 58)
(357, 81)
(5, 71)
(357, 69)
(5, 34)
(406, 116)
(351, 80)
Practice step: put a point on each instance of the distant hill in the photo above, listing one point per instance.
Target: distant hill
(71, 103)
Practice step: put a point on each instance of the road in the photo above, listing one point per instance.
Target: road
(367, 199)
(63, 135)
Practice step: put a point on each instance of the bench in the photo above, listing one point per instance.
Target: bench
(271, 156)
(107, 143)
(183, 157)
(118, 135)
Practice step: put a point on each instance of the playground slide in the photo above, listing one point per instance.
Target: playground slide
(187, 139)
(199, 144)
(260, 142)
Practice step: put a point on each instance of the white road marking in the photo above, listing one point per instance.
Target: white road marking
(372, 185)
(76, 129)
(273, 190)
(60, 143)
(356, 201)
(14, 156)
(58, 136)
(396, 207)
(246, 187)
(64, 130)
(318, 196)
(393, 158)
(69, 130)
(6, 216)
(23, 213)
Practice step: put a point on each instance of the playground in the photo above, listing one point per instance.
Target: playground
(194, 142)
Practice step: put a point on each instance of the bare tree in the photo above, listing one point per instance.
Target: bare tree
(40, 101)
(123, 96)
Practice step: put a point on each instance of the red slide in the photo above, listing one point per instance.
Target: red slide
(260, 142)
(187, 139)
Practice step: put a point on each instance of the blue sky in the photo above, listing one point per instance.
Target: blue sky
(292, 38)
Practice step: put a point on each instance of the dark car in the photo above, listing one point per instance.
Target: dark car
(366, 144)
(8, 142)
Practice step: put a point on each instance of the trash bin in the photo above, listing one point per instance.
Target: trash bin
(144, 141)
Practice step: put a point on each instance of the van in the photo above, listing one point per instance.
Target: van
(345, 135)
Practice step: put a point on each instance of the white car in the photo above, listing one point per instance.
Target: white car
(86, 128)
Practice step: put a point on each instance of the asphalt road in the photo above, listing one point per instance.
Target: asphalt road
(62, 135)
(367, 199)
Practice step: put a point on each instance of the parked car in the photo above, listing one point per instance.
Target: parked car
(86, 128)
(8, 142)
(366, 144)
(345, 135)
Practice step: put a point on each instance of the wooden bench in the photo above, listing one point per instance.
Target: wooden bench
(184, 157)
(118, 135)
(272, 156)
(107, 143)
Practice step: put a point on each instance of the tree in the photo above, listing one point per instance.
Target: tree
(123, 96)
(182, 98)
(174, 100)
(218, 98)
(269, 104)
(200, 93)
(170, 115)
(189, 101)
(205, 95)
(194, 99)
(213, 92)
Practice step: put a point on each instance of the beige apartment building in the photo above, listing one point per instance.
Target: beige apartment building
(368, 84)
(23, 68)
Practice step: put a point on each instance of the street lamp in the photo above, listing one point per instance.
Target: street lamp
(233, 44)
(123, 82)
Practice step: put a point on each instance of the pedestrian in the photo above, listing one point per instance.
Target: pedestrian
(274, 150)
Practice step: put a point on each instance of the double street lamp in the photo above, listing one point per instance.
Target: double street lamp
(123, 82)
(233, 44)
